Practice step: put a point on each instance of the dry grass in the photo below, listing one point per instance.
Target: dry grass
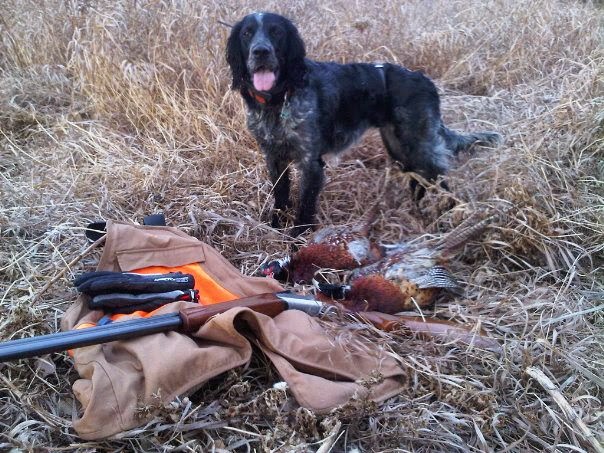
(119, 109)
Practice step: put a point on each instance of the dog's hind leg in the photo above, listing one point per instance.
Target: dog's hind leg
(457, 141)
(393, 144)
(428, 156)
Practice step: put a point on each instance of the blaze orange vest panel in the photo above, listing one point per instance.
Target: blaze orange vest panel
(210, 292)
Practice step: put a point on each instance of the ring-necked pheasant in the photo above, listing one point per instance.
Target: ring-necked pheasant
(410, 275)
(332, 247)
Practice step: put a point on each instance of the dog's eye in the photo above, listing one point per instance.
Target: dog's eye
(246, 33)
(275, 32)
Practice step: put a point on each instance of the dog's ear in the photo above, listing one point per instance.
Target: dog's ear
(296, 69)
(234, 56)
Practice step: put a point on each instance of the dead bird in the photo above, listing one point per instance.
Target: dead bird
(409, 275)
(332, 247)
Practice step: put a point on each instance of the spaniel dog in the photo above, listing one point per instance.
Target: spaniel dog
(300, 109)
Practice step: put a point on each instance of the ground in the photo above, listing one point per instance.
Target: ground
(121, 109)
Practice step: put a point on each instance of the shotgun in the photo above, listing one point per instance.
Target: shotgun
(187, 320)
(190, 319)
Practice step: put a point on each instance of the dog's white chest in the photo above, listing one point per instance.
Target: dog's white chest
(287, 126)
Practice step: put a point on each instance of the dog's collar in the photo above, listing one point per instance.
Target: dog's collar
(279, 95)
(381, 70)
(261, 98)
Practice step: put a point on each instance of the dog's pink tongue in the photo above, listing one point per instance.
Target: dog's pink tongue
(264, 80)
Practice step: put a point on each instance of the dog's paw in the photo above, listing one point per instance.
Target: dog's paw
(279, 218)
(276, 220)
(299, 230)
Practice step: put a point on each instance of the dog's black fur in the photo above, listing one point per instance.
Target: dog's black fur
(313, 108)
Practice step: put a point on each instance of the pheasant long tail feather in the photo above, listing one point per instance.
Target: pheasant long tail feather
(461, 234)
(434, 328)
(368, 219)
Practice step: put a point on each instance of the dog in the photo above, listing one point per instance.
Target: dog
(300, 109)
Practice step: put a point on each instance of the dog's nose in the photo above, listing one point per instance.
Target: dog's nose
(260, 51)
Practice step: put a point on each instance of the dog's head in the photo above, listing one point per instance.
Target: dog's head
(266, 52)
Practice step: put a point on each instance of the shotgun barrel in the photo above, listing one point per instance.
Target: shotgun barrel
(187, 320)
(62, 341)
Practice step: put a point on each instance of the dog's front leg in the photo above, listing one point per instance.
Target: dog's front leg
(278, 170)
(310, 187)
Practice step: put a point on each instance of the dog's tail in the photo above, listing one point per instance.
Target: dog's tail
(458, 142)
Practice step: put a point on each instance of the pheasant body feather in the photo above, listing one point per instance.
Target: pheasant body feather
(333, 247)
(389, 279)
(410, 274)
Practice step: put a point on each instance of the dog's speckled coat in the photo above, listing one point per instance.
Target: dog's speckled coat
(315, 108)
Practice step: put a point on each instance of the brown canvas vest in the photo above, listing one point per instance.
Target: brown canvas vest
(119, 378)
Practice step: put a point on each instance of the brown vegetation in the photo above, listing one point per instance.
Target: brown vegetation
(120, 109)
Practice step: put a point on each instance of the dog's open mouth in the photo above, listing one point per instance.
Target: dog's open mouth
(264, 80)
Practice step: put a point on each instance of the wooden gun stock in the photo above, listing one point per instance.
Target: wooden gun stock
(193, 318)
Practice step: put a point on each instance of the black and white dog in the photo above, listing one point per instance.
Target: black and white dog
(299, 110)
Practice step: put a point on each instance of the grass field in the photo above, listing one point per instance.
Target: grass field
(121, 109)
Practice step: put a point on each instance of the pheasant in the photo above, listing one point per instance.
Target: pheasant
(409, 275)
(333, 247)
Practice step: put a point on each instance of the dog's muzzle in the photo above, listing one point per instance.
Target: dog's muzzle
(263, 66)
